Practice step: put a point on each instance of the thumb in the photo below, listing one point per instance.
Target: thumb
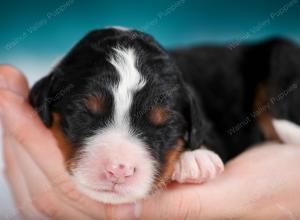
(12, 79)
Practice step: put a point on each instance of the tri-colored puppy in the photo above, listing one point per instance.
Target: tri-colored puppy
(130, 116)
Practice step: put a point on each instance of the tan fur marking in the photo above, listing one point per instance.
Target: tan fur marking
(158, 115)
(171, 159)
(95, 104)
(264, 119)
(63, 144)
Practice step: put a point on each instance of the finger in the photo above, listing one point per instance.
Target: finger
(21, 121)
(24, 207)
(13, 80)
(44, 198)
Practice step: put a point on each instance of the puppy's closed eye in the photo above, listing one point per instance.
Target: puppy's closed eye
(158, 115)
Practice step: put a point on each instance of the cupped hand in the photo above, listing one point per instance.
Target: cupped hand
(261, 183)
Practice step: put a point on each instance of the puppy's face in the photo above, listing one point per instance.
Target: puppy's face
(119, 105)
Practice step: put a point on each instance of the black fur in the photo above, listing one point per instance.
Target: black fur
(225, 80)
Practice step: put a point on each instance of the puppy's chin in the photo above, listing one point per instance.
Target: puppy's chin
(112, 197)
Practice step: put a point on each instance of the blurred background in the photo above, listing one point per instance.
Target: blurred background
(37, 34)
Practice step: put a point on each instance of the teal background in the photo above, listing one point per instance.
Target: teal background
(172, 22)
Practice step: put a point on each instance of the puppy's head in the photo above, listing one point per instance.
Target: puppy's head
(122, 112)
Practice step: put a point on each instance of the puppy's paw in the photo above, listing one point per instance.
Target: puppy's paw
(197, 166)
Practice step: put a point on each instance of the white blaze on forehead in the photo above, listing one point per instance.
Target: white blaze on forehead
(124, 61)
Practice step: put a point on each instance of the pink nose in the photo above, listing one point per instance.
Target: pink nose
(119, 173)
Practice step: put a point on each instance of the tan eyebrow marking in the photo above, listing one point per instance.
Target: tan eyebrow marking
(158, 115)
(95, 103)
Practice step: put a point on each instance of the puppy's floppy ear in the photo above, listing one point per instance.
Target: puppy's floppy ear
(197, 125)
(39, 98)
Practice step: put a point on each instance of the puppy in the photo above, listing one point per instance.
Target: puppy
(129, 116)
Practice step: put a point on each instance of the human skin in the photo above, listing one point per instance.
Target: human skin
(262, 183)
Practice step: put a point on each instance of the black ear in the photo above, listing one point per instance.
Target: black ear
(40, 98)
(197, 124)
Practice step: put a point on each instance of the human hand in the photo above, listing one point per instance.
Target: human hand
(256, 185)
